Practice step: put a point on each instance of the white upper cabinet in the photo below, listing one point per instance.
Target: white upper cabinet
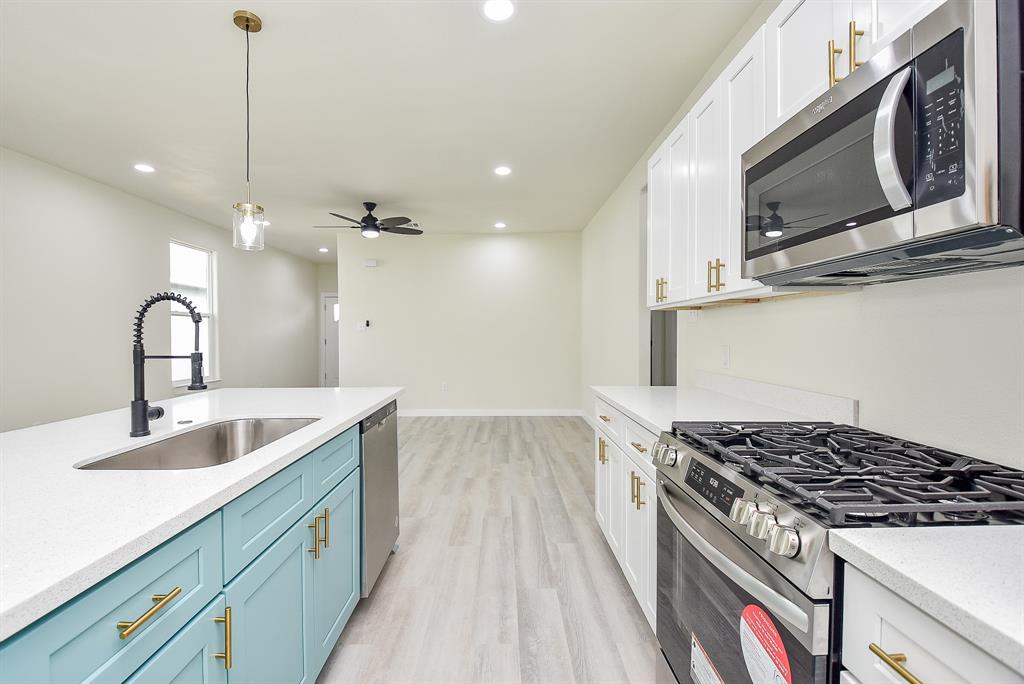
(708, 191)
(658, 243)
(680, 209)
(882, 21)
(797, 36)
(743, 86)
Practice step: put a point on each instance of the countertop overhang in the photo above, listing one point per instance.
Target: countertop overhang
(63, 530)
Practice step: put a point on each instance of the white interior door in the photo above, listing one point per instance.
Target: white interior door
(329, 376)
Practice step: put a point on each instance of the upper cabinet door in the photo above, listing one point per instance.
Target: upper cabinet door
(882, 21)
(680, 210)
(743, 84)
(796, 56)
(657, 222)
(708, 191)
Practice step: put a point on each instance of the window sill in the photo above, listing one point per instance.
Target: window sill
(182, 384)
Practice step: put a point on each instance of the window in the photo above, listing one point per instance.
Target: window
(193, 274)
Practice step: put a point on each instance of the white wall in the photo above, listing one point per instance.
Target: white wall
(496, 317)
(939, 361)
(327, 277)
(78, 257)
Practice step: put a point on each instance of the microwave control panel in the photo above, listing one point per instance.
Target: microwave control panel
(940, 105)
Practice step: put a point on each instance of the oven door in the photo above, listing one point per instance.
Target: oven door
(724, 615)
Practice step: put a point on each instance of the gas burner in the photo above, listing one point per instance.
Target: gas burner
(851, 476)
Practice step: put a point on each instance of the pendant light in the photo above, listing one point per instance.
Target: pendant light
(247, 221)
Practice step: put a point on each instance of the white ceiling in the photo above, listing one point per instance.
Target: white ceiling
(410, 104)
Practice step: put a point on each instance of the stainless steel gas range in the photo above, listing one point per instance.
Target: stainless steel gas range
(747, 586)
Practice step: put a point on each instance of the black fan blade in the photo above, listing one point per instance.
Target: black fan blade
(806, 218)
(401, 230)
(394, 221)
(337, 227)
(345, 217)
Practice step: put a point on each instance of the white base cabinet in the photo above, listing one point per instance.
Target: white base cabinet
(625, 502)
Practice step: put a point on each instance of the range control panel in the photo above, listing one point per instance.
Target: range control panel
(717, 490)
(940, 121)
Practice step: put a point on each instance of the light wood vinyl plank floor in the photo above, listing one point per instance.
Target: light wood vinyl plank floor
(502, 574)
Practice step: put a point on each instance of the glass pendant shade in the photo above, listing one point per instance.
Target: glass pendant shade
(248, 224)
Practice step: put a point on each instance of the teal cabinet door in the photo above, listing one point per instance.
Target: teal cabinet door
(333, 461)
(190, 657)
(335, 581)
(262, 514)
(107, 632)
(268, 602)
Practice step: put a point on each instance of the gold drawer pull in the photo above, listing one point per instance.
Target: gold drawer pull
(315, 526)
(226, 655)
(639, 501)
(632, 486)
(639, 447)
(895, 661)
(605, 419)
(161, 601)
(602, 456)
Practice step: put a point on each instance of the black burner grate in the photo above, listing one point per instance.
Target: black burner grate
(855, 476)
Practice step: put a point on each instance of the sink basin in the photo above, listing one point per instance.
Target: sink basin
(203, 447)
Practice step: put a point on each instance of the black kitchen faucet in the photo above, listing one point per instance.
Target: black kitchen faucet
(141, 411)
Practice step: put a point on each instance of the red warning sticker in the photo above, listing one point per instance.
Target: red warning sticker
(763, 650)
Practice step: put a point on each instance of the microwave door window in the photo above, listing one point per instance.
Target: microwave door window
(824, 181)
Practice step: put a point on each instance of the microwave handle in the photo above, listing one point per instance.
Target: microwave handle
(885, 145)
(775, 602)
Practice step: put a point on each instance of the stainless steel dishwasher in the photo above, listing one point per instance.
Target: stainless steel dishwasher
(379, 432)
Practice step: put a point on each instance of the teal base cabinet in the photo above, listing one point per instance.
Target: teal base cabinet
(334, 576)
(259, 591)
(191, 656)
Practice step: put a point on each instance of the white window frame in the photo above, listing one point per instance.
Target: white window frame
(209, 319)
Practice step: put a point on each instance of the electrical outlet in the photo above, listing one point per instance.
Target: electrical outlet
(444, 386)
(694, 315)
(726, 356)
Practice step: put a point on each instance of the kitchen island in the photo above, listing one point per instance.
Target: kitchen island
(64, 529)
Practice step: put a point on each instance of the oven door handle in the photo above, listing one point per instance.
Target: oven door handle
(775, 602)
(884, 142)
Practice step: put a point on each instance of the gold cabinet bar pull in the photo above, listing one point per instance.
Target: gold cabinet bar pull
(832, 52)
(161, 601)
(854, 34)
(632, 487)
(327, 527)
(315, 526)
(709, 275)
(601, 444)
(605, 419)
(895, 661)
(639, 447)
(226, 655)
(639, 484)
(719, 265)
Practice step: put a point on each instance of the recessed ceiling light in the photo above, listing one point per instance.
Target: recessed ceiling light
(502, 170)
(773, 233)
(144, 168)
(498, 11)
(500, 224)
(323, 250)
(851, 224)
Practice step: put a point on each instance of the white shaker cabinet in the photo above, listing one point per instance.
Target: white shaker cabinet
(743, 93)
(680, 210)
(882, 21)
(658, 244)
(708, 181)
(797, 36)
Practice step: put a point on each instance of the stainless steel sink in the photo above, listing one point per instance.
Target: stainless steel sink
(203, 447)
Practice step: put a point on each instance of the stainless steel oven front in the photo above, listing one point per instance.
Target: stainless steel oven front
(902, 149)
(724, 614)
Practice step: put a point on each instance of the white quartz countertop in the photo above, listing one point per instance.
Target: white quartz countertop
(94, 522)
(969, 578)
(656, 407)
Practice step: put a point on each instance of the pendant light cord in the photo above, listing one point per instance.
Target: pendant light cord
(248, 197)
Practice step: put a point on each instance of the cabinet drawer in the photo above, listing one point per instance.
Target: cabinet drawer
(333, 461)
(609, 419)
(639, 446)
(254, 520)
(934, 653)
(81, 642)
(190, 657)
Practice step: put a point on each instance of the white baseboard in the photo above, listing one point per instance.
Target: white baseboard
(416, 413)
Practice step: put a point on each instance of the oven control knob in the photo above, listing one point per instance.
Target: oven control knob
(669, 456)
(742, 510)
(784, 541)
(761, 523)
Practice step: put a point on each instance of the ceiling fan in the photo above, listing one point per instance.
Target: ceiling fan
(371, 226)
(771, 226)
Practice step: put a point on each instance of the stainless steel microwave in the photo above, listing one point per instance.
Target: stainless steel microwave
(909, 167)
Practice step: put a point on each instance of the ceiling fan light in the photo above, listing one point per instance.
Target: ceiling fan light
(247, 226)
(370, 231)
